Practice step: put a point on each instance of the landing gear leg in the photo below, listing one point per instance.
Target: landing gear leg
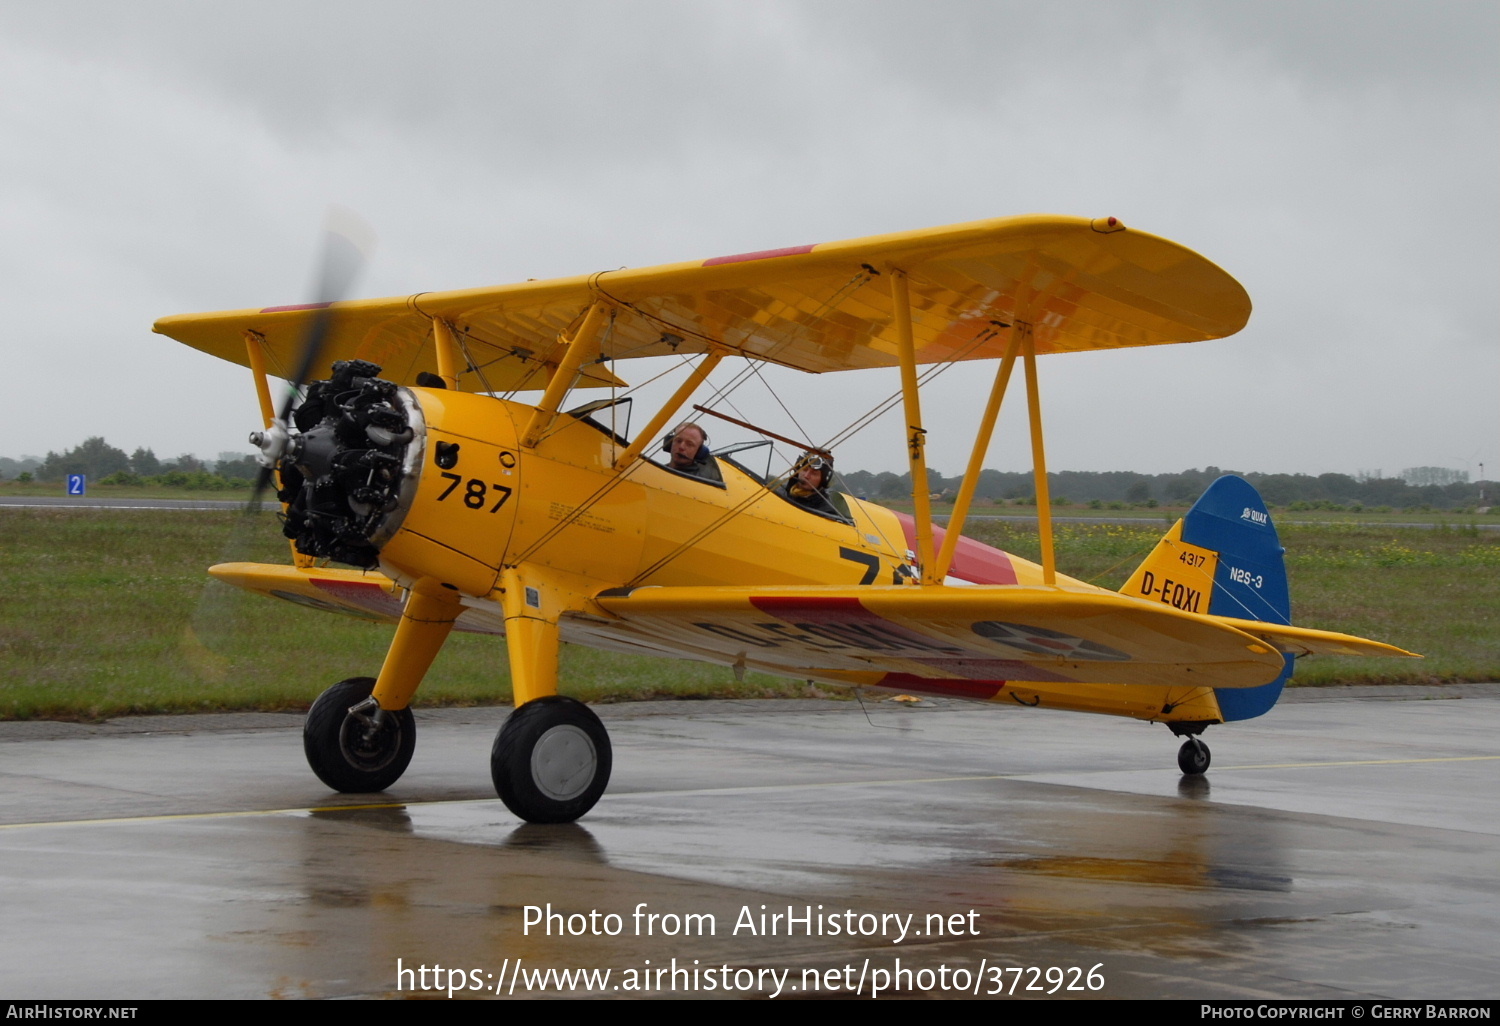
(360, 735)
(551, 759)
(1193, 757)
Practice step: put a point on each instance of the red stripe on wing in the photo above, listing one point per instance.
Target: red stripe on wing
(764, 254)
(981, 689)
(295, 306)
(363, 594)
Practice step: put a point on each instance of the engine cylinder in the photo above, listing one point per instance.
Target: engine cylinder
(350, 471)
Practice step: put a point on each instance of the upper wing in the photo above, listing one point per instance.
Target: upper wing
(1081, 284)
(982, 633)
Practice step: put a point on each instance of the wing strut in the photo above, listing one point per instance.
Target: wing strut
(916, 435)
(684, 392)
(255, 349)
(1038, 454)
(449, 359)
(976, 458)
(584, 345)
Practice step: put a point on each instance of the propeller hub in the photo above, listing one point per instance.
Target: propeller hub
(274, 443)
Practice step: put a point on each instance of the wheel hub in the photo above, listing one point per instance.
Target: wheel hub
(563, 762)
(370, 746)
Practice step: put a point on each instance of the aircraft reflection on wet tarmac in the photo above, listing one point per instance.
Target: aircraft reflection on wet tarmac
(1345, 848)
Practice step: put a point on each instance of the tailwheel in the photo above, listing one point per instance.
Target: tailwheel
(352, 744)
(1193, 757)
(551, 760)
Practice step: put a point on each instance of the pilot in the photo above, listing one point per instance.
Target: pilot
(688, 446)
(807, 484)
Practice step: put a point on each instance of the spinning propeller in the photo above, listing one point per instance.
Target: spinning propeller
(218, 615)
(346, 242)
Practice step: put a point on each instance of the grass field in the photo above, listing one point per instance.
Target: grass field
(1430, 590)
(1169, 514)
(104, 613)
(940, 510)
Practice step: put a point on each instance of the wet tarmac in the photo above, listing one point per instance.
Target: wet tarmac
(1345, 846)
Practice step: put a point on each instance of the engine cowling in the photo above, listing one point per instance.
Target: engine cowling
(416, 481)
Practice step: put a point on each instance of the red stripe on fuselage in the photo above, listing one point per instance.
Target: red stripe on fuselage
(973, 561)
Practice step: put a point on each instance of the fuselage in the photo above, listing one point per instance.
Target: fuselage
(565, 506)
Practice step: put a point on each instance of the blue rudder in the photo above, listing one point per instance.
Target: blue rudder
(1250, 583)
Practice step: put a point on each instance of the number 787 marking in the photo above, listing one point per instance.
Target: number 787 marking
(474, 492)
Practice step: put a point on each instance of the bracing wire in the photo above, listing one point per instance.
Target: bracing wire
(721, 395)
(858, 425)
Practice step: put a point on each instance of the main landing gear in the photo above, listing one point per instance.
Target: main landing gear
(357, 742)
(352, 744)
(551, 760)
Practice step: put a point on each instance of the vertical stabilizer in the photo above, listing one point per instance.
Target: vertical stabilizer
(1224, 559)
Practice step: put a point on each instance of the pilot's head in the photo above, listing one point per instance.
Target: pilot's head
(686, 442)
(811, 473)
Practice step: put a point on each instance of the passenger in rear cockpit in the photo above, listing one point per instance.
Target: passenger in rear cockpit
(807, 484)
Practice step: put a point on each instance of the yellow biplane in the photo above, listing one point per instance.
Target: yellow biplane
(463, 508)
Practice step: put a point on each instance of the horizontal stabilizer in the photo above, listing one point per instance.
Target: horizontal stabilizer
(1306, 641)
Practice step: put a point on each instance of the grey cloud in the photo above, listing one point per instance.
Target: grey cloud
(1340, 159)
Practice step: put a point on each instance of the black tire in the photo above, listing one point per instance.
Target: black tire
(551, 760)
(342, 750)
(1193, 757)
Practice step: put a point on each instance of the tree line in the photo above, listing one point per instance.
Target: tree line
(1418, 487)
(105, 464)
(1126, 488)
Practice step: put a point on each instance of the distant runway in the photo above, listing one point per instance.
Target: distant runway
(43, 502)
(1344, 846)
(86, 502)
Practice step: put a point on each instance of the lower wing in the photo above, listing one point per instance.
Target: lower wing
(1059, 635)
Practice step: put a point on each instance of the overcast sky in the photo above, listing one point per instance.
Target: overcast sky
(1342, 160)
